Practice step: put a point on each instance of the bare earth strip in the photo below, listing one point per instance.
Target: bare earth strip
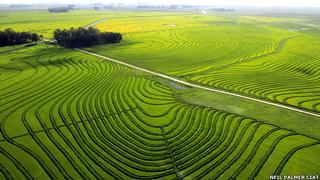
(202, 87)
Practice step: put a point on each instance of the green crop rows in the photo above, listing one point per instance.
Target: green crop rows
(259, 57)
(68, 115)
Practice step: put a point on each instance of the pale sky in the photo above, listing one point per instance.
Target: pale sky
(312, 3)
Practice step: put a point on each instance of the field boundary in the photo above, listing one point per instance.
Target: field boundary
(176, 170)
(200, 86)
(95, 23)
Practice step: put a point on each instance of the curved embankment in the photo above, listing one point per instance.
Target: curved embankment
(65, 114)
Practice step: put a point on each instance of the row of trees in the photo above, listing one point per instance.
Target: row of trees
(58, 9)
(72, 38)
(82, 37)
(61, 9)
(10, 37)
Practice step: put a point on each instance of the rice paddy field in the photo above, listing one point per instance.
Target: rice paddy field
(261, 57)
(65, 114)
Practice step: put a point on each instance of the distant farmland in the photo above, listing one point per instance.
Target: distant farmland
(260, 57)
(65, 114)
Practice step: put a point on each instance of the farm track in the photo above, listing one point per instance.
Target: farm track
(95, 23)
(271, 69)
(298, 68)
(300, 110)
(79, 117)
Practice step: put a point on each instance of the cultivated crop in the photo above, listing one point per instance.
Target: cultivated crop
(65, 114)
(255, 56)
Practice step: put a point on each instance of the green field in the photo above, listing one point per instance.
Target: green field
(69, 115)
(260, 57)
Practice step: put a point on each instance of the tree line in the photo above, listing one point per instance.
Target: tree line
(82, 37)
(59, 9)
(9, 37)
(70, 38)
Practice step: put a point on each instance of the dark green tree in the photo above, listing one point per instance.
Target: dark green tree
(81, 37)
(11, 37)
